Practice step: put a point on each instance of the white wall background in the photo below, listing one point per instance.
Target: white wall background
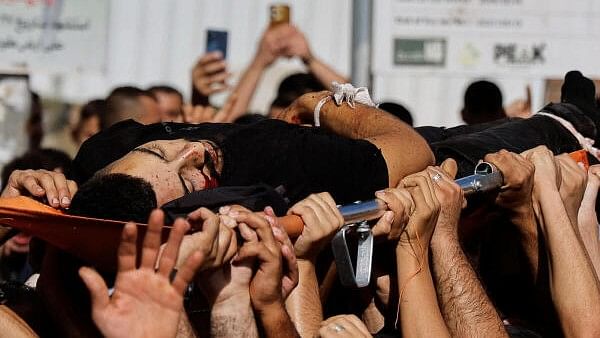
(158, 41)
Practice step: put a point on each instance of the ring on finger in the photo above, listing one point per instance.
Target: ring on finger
(436, 177)
(337, 328)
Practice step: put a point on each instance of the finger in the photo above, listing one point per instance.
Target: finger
(31, 185)
(256, 250)
(72, 188)
(60, 182)
(247, 233)
(384, 224)
(224, 114)
(210, 57)
(47, 183)
(332, 210)
(450, 167)
(186, 273)
(96, 286)
(171, 251)
(260, 225)
(214, 67)
(152, 239)
(219, 77)
(291, 278)
(127, 251)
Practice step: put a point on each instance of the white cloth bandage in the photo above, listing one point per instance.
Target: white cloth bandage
(344, 92)
(586, 143)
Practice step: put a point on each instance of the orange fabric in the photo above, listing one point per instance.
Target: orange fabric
(91, 239)
(580, 156)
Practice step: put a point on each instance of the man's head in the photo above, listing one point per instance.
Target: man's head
(89, 120)
(170, 103)
(291, 88)
(125, 103)
(483, 103)
(172, 168)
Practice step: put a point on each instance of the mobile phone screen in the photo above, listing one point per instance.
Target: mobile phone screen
(216, 41)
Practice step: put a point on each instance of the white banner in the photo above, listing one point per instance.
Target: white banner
(536, 37)
(53, 35)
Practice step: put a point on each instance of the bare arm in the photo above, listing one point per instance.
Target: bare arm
(404, 150)
(464, 304)
(304, 304)
(588, 219)
(515, 199)
(324, 73)
(573, 286)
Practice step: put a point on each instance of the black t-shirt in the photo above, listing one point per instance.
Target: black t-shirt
(301, 159)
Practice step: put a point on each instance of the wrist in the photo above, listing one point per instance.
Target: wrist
(231, 301)
(271, 311)
(259, 63)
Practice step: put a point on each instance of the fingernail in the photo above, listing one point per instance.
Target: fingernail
(40, 189)
(224, 210)
(277, 232)
(55, 201)
(269, 210)
(66, 200)
(233, 213)
(270, 220)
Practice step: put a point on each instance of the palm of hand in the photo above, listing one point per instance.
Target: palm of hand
(144, 304)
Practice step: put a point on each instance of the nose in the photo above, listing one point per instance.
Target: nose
(191, 154)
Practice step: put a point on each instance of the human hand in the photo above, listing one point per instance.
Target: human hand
(451, 198)
(343, 326)
(202, 114)
(518, 172)
(144, 303)
(546, 173)
(301, 111)
(297, 45)
(266, 284)
(210, 73)
(392, 223)
(322, 220)
(272, 44)
(521, 107)
(291, 274)
(52, 185)
(572, 185)
(422, 221)
(587, 217)
(215, 240)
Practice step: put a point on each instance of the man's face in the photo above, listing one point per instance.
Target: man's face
(170, 106)
(173, 167)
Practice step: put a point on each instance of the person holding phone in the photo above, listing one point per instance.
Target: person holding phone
(210, 73)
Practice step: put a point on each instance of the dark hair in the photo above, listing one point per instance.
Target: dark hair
(294, 86)
(114, 196)
(483, 103)
(249, 119)
(123, 103)
(95, 107)
(48, 159)
(397, 110)
(165, 89)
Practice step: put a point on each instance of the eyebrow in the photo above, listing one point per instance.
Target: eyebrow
(163, 159)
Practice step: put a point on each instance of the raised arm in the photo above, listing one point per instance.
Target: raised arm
(573, 286)
(515, 199)
(322, 219)
(404, 150)
(466, 308)
(588, 219)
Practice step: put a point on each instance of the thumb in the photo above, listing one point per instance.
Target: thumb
(450, 167)
(97, 287)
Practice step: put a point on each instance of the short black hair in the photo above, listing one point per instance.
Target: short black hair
(118, 197)
(483, 103)
(48, 159)
(165, 89)
(294, 86)
(123, 103)
(397, 110)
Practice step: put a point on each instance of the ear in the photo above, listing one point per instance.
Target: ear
(450, 167)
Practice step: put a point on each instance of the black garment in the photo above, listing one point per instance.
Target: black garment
(301, 159)
(469, 144)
